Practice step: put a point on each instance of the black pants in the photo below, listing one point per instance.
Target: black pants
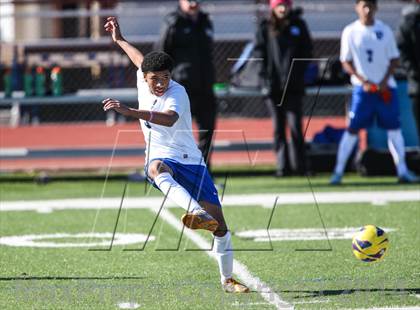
(416, 111)
(204, 111)
(289, 160)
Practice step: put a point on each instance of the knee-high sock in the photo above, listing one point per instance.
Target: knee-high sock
(347, 143)
(175, 192)
(396, 147)
(224, 254)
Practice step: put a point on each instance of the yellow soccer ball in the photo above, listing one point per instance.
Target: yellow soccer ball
(370, 243)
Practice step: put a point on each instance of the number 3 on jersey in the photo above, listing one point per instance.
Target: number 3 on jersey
(369, 53)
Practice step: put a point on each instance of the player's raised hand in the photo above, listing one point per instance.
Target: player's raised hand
(113, 104)
(113, 27)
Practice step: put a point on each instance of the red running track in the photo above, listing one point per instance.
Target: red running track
(97, 135)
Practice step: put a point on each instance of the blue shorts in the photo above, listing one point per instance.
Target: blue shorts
(194, 178)
(368, 107)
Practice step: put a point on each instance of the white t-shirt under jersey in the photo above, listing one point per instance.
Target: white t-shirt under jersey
(370, 48)
(176, 142)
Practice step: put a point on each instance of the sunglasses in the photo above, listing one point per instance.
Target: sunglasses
(194, 1)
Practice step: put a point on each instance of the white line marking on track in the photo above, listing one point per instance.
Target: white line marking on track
(239, 269)
(9, 152)
(228, 200)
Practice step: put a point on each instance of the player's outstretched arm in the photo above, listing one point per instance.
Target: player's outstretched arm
(133, 53)
(165, 118)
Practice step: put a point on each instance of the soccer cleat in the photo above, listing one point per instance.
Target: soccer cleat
(336, 179)
(233, 286)
(408, 177)
(200, 219)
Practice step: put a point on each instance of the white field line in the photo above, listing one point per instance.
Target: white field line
(387, 308)
(239, 269)
(315, 301)
(128, 305)
(266, 200)
(249, 304)
(276, 234)
(37, 240)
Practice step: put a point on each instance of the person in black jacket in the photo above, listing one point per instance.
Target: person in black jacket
(409, 44)
(280, 39)
(187, 36)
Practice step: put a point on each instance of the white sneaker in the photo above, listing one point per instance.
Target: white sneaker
(408, 177)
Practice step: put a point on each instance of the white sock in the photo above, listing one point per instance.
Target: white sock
(174, 191)
(347, 143)
(396, 147)
(224, 254)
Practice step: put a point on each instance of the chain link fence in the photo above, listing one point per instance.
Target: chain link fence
(90, 61)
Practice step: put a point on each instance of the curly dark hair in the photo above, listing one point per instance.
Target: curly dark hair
(157, 61)
(374, 2)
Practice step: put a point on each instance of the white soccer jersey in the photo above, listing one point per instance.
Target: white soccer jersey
(370, 48)
(176, 142)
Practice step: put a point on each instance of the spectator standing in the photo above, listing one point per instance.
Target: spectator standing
(281, 38)
(187, 36)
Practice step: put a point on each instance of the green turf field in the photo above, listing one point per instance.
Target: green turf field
(253, 184)
(171, 271)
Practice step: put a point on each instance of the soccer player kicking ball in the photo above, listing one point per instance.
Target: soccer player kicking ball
(174, 164)
(369, 54)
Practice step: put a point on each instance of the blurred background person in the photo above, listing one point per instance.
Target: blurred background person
(369, 54)
(409, 45)
(279, 39)
(187, 36)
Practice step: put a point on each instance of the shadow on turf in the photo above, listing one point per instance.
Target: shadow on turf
(68, 278)
(351, 291)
